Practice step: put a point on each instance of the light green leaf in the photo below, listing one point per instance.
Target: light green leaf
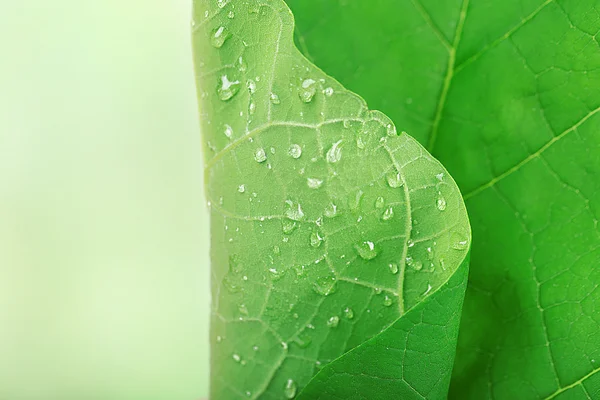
(507, 95)
(331, 231)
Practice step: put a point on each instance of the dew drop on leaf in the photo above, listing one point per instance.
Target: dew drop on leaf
(379, 202)
(394, 179)
(251, 85)
(333, 322)
(387, 301)
(295, 151)
(236, 357)
(307, 90)
(228, 88)
(387, 214)
(289, 226)
(290, 389)
(440, 203)
(219, 36)
(303, 340)
(260, 155)
(221, 3)
(348, 313)
(228, 131)
(334, 154)
(315, 239)
(330, 210)
(366, 250)
(242, 188)
(391, 130)
(410, 243)
(294, 211)
(243, 309)
(324, 285)
(314, 183)
(355, 199)
(231, 15)
(458, 241)
(393, 268)
(328, 91)
(275, 99)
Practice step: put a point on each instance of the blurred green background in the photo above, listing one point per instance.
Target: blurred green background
(103, 231)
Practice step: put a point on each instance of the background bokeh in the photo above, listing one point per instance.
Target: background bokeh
(103, 231)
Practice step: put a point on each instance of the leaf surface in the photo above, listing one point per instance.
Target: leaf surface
(335, 237)
(507, 95)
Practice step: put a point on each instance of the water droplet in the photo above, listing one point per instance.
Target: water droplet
(324, 285)
(415, 264)
(275, 99)
(330, 210)
(355, 199)
(328, 91)
(440, 176)
(378, 290)
(315, 239)
(379, 202)
(295, 151)
(248, 393)
(221, 3)
(294, 211)
(334, 154)
(242, 188)
(394, 179)
(219, 36)
(289, 226)
(299, 270)
(228, 88)
(333, 322)
(242, 64)
(284, 345)
(387, 301)
(348, 313)
(441, 203)
(219, 339)
(391, 130)
(231, 15)
(251, 108)
(290, 389)
(307, 90)
(393, 268)
(276, 274)
(260, 155)
(314, 183)
(388, 214)
(429, 287)
(410, 243)
(228, 131)
(236, 357)
(276, 249)
(251, 85)
(366, 250)
(243, 309)
(430, 253)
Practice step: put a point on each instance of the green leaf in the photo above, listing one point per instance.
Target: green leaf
(506, 94)
(335, 237)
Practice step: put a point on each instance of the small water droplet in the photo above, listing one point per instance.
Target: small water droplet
(391, 130)
(324, 285)
(315, 239)
(221, 3)
(459, 242)
(242, 188)
(251, 108)
(333, 322)
(334, 154)
(393, 268)
(387, 301)
(330, 210)
(248, 393)
(295, 151)
(228, 131)
(289, 226)
(251, 85)
(348, 313)
(314, 183)
(275, 99)
(355, 199)
(299, 270)
(366, 250)
(388, 214)
(410, 243)
(378, 290)
(284, 345)
(219, 339)
(231, 15)
(228, 88)
(307, 90)
(429, 287)
(243, 309)
(290, 389)
(236, 357)
(303, 340)
(441, 203)
(219, 36)
(328, 91)
(379, 202)
(260, 155)
(394, 179)
(440, 176)
(242, 66)
(294, 211)
(276, 274)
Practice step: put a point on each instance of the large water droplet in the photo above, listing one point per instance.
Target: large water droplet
(290, 389)
(394, 179)
(387, 301)
(315, 239)
(307, 90)
(334, 154)
(393, 268)
(348, 313)
(260, 155)
(314, 183)
(219, 36)
(333, 322)
(275, 99)
(295, 151)
(294, 211)
(379, 202)
(228, 88)
(388, 214)
(366, 250)
(330, 210)
(441, 203)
